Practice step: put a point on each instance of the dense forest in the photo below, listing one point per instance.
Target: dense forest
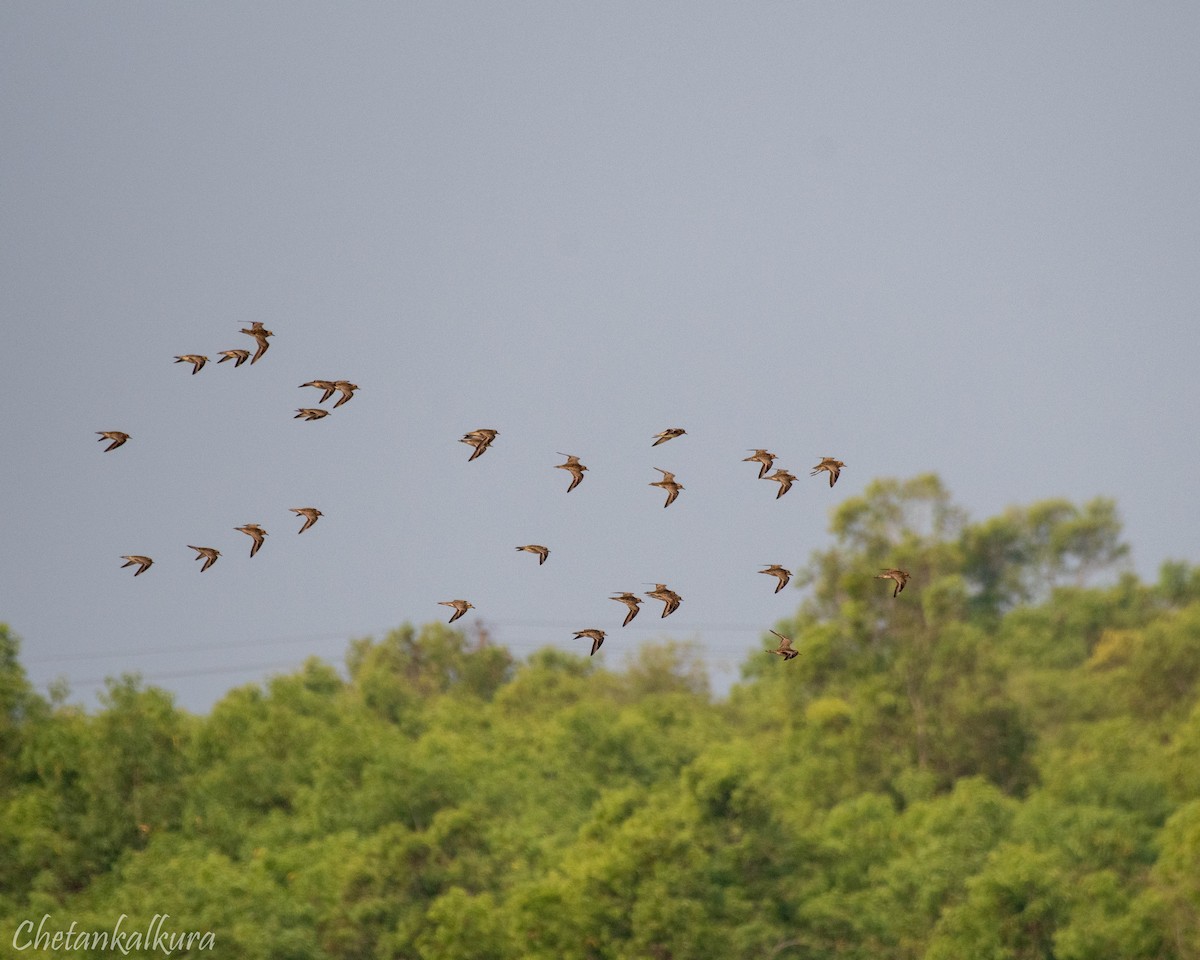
(1001, 762)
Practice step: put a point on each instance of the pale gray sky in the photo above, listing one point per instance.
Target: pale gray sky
(924, 236)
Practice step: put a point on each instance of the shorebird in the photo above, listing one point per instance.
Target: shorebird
(775, 570)
(327, 385)
(900, 576)
(142, 563)
(833, 466)
(116, 436)
(310, 413)
(574, 466)
(596, 636)
(631, 600)
(209, 554)
(460, 607)
(785, 647)
(669, 484)
(480, 439)
(346, 389)
(195, 359)
(669, 434)
(764, 459)
(309, 514)
(256, 532)
(259, 333)
(670, 598)
(542, 552)
(237, 356)
(784, 479)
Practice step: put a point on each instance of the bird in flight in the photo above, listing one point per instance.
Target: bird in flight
(834, 467)
(596, 636)
(116, 436)
(785, 647)
(631, 600)
(575, 468)
(209, 554)
(784, 479)
(669, 434)
(670, 598)
(237, 356)
(899, 576)
(480, 439)
(310, 413)
(542, 552)
(460, 607)
(309, 514)
(764, 459)
(327, 385)
(346, 389)
(259, 333)
(257, 533)
(775, 570)
(669, 484)
(142, 563)
(195, 359)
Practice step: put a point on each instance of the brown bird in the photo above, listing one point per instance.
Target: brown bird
(116, 436)
(784, 479)
(596, 636)
(256, 532)
(310, 413)
(575, 468)
(142, 563)
(309, 514)
(669, 484)
(764, 459)
(460, 607)
(900, 576)
(834, 467)
(775, 570)
(631, 600)
(785, 647)
(480, 439)
(327, 385)
(542, 552)
(209, 554)
(237, 356)
(669, 434)
(259, 333)
(670, 598)
(196, 360)
(346, 389)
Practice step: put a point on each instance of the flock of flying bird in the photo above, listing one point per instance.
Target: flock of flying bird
(481, 440)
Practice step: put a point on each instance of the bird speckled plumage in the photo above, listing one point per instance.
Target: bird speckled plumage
(833, 467)
(208, 554)
(775, 570)
(480, 439)
(784, 479)
(632, 601)
(116, 436)
(237, 356)
(669, 484)
(460, 607)
(542, 552)
(572, 466)
(670, 599)
(310, 413)
(346, 389)
(669, 434)
(309, 514)
(899, 576)
(260, 334)
(596, 636)
(764, 460)
(142, 563)
(195, 359)
(785, 647)
(327, 386)
(256, 533)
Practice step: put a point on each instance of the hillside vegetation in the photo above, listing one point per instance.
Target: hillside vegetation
(1001, 762)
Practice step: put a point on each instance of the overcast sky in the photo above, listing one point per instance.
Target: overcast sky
(961, 238)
